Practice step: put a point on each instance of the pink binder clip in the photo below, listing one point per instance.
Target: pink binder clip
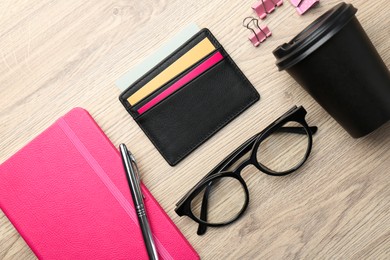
(259, 33)
(264, 7)
(302, 6)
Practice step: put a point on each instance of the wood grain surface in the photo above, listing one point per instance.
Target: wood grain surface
(56, 55)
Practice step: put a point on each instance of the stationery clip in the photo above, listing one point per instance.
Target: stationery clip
(259, 33)
(264, 7)
(302, 6)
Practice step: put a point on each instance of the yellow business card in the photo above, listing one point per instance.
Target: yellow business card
(199, 51)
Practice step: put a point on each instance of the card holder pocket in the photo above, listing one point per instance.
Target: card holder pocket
(140, 83)
(188, 117)
(135, 109)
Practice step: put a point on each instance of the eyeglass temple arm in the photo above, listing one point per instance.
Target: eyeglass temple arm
(297, 130)
(203, 211)
(202, 228)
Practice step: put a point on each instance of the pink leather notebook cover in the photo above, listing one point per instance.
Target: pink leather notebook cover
(66, 193)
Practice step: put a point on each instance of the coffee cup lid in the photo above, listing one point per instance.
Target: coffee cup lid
(314, 36)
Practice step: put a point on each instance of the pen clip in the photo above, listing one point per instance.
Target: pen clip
(132, 158)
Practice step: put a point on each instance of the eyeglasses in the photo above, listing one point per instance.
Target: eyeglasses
(222, 196)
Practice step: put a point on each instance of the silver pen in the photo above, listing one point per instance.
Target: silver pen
(134, 181)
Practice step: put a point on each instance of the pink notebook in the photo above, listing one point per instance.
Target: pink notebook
(66, 193)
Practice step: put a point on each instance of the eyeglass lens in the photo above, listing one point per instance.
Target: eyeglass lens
(226, 198)
(283, 151)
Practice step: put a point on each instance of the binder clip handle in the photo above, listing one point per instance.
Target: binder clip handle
(259, 33)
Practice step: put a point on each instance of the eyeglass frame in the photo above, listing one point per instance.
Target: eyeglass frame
(295, 114)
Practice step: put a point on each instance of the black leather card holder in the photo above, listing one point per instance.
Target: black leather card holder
(185, 119)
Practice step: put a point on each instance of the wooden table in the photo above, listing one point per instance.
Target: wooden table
(56, 55)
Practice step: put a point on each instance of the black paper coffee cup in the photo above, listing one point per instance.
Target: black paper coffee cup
(334, 60)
